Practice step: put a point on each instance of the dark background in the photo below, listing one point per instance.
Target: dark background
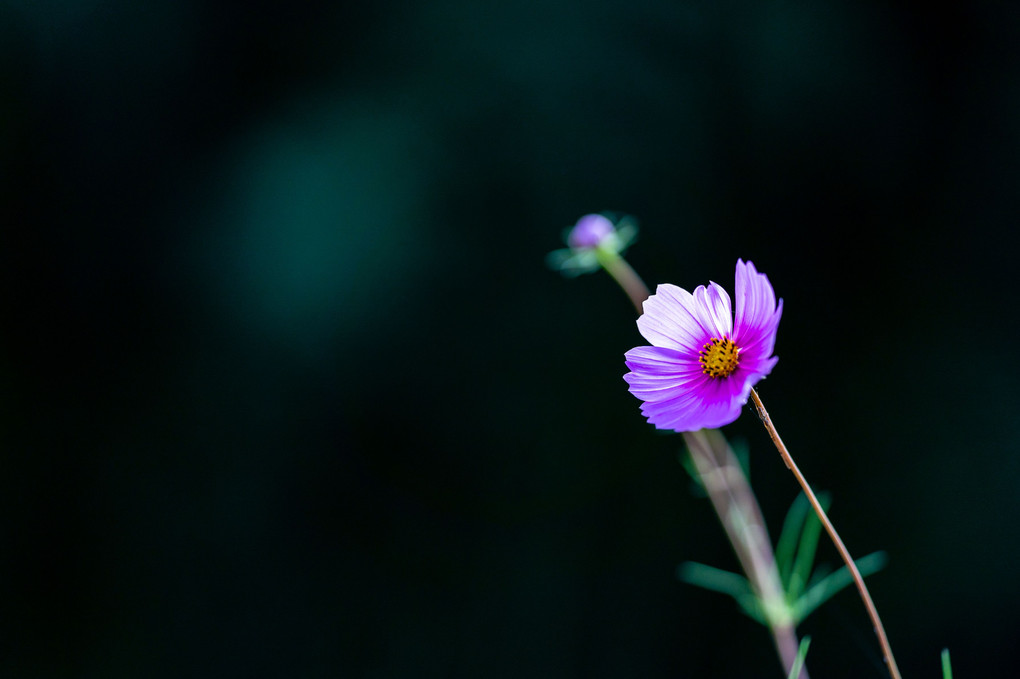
(288, 391)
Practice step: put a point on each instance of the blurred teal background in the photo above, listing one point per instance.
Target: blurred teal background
(288, 391)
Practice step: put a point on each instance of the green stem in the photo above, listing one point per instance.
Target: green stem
(830, 529)
(617, 267)
(738, 510)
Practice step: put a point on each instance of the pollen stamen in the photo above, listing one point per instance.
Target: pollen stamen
(719, 357)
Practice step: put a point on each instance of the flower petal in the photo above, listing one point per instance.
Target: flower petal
(760, 341)
(655, 360)
(756, 310)
(659, 374)
(669, 398)
(670, 320)
(714, 310)
(709, 404)
(755, 368)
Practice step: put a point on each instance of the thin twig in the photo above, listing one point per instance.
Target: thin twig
(840, 547)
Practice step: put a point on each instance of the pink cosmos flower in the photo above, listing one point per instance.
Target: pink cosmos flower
(701, 366)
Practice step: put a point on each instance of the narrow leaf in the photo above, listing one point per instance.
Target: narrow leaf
(787, 544)
(798, 663)
(724, 582)
(818, 594)
(806, 550)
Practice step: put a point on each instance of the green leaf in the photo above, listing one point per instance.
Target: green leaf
(806, 550)
(947, 670)
(798, 543)
(724, 582)
(821, 592)
(798, 663)
(787, 545)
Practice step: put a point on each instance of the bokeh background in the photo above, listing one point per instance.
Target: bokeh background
(287, 389)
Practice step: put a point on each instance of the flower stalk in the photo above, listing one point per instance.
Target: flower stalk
(622, 272)
(734, 502)
(883, 640)
(732, 499)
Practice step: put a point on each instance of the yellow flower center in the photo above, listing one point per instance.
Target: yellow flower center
(719, 357)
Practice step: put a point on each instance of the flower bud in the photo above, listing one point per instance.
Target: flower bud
(590, 231)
